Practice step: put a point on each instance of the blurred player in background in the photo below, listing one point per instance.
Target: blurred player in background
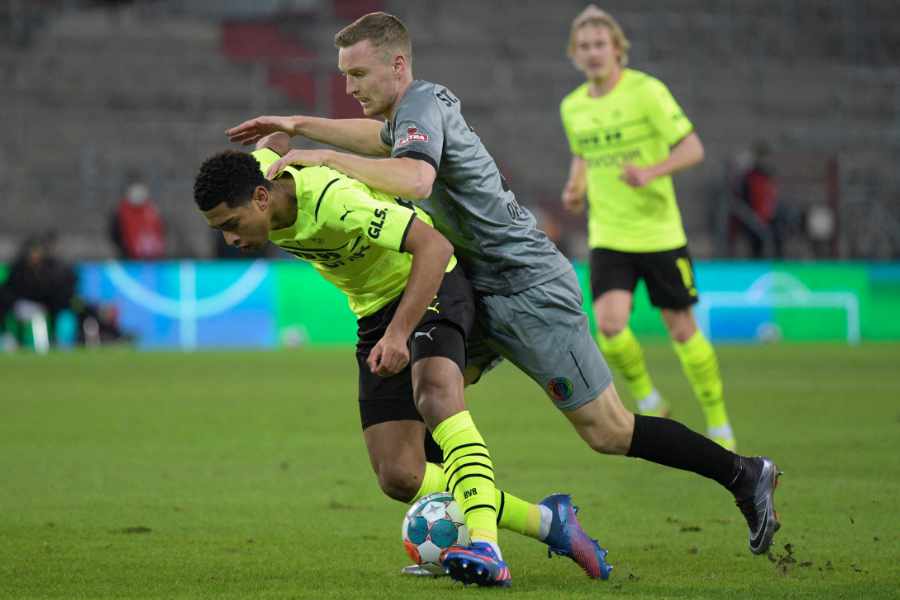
(528, 301)
(415, 309)
(627, 136)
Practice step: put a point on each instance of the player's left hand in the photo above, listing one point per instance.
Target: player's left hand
(389, 356)
(635, 176)
(305, 158)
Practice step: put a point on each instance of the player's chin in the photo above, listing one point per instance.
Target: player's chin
(369, 108)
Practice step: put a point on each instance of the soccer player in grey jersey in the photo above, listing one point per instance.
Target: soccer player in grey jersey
(529, 302)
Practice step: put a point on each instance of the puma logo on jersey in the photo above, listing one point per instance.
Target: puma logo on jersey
(435, 306)
(427, 334)
(344, 216)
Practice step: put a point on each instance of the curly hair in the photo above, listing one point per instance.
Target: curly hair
(228, 177)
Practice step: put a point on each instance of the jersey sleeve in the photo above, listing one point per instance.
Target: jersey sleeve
(355, 212)
(266, 158)
(385, 134)
(419, 130)
(567, 127)
(665, 114)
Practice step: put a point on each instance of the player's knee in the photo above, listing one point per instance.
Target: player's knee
(680, 323)
(431, 390)
(610, 327)
(398, 482)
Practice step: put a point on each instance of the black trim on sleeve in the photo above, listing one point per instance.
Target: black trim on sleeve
(322, 195)
(418, 156)
(682, 138)
(406, 231)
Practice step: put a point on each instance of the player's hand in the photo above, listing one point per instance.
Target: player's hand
(635, 176)
(251, 131)
(389, 356)
(305, 158)
(279, 142)
(572, 201)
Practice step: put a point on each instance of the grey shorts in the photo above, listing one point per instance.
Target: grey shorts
(544, 332)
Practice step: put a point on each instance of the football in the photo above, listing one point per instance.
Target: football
(431, 525)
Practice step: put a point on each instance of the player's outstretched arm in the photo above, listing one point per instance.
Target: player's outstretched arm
(431, 252)
(573, 192)
(408, 178)
(361, 136)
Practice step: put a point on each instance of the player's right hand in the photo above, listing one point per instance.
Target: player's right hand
(251, 131)
(389, 356)
(572, 201)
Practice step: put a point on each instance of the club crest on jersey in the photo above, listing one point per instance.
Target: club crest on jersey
(560, 389)
(412, 135)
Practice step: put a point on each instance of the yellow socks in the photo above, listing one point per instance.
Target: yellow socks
(432, 482)
(513, 513)
(469, 474)
(522, 517)
(698, 359)
(624, 354)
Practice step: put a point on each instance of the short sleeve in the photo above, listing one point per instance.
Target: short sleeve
(385, 134)
(665, 114)
(266, 158)
(355, 212)
(419, 129)
(574, 148)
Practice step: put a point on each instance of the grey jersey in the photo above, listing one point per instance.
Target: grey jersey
(497, 241)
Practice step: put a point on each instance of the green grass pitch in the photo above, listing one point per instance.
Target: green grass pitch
(244, 475)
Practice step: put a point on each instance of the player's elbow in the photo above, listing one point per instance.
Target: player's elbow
(699, 153)
(422, 181)
(421, 189)
(445, 248)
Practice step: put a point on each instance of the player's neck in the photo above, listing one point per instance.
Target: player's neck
(284, 203)
(404, 85)
(601, 87)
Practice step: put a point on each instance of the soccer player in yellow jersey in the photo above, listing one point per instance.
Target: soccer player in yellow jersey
(628, 135)
(415, 309)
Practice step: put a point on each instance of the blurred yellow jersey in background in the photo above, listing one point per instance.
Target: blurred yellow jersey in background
(637, 122)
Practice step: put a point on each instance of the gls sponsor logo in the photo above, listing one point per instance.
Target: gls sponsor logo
(375, 226)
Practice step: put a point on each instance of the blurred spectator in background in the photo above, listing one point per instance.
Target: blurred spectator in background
(136, 226)
(38, 288)
(758, 217)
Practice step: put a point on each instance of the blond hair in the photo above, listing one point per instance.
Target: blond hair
(593, 15)
(385, 32)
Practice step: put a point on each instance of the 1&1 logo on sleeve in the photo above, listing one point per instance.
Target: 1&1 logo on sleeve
(412, 135)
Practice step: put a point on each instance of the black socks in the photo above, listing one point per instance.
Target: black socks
(670, 443)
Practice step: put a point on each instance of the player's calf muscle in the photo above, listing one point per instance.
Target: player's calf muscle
(604, 424)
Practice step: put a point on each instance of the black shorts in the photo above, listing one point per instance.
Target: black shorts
(669, 275)
(441, 332)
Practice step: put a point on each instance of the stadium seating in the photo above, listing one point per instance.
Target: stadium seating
(94, 93)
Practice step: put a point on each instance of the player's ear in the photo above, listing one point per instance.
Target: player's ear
(261, 198)
(399, 62)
